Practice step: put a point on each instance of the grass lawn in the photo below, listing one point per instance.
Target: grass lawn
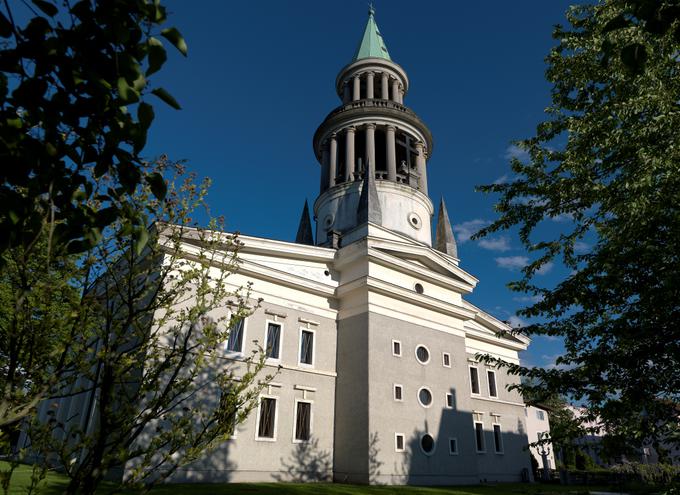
(55, 483)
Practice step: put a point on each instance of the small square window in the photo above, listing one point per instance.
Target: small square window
(540, 415)
(398, 393)
(396, 348)
(449, 401)
(453, 446)
(399, 442)
(446, 359)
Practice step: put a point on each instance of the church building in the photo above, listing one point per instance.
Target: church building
(367, 320)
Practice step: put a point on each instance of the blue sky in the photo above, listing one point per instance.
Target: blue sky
(259, 79)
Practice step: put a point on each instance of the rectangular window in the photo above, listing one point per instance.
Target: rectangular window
(453, 446)
(235, 341)
(479, 436)
(266, 424)
(474, 380)
(449, 401)
(446, 359)
(398, 393)
(497, 439)
(399, 442)
(273, 343)
(307, 347)
(491, 375)
(303, 421)
(396, 348)
(540, 415)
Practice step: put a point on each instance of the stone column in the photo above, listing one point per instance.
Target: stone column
(333, 163)
(356, 94)
(325, 164)
(391, 154)
(420, 164)
(369, 85)
(370, 147)
(349, 154)
(401, 95)
(346, 93)
(395, 90)
(384, 86)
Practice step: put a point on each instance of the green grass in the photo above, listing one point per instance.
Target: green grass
(55, 483)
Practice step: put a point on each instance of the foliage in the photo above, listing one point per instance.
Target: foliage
(147, 388)
(651, 474)
(607, 160)
(67, 80)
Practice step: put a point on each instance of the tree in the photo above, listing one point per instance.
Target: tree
(147, 387)
(68, 79)
(607, 159)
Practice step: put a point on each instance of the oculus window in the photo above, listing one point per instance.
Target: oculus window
(425, 397)
(427, 444)
(422, 354)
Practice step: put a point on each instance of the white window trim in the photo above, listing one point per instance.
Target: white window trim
(488, 383)
(450, 451)
(266, 335)
(400, 348)
(240, 353)
(429, 354)
(311, 419)
(446, 400)
(434, 446)
(394, 392)
(479, 382)
(418, 396)
(483, 451)
(444, 360)
(276, 419)
(300, 363)
(403, 442)
(500, 429)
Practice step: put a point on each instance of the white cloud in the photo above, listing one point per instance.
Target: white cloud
(514, 151)
(503, 179)
(550, 362)
(465, 230)
(562, 217)
(545, 268)
(512, 262)
(495, 244)
(581, 247)
(528, 299)
(516, 322)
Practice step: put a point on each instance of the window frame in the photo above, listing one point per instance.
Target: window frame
(429, 354)
(266, 340)
(500, 438)
(258, 438)
(394, 392)
(300, 363)
(479, 384)
(241, 353)
(444, 356)
(483, 449)
(403, 442)
(540, 415)
(434, 444)
(453, 452)
(400, 348)
(311, 420)
(488, 383)
(431, 397)
(446, 401)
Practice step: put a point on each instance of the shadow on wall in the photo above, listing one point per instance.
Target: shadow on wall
(307, 463)
(373, 458)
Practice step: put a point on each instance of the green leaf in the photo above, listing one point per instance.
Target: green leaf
(174, 37)
(157, 56)
(5, 27)
(157, 184)
(145, 115)
(127, 93)
(166, 97)
(48, 8)
(634, 56)
(141, 238)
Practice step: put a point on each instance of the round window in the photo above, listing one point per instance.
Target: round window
(328, 221)
(427, 444)
(425, 397)
(414, 220)
(422, 354)
(419, 288)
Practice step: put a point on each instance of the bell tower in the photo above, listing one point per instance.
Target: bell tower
(373, 151)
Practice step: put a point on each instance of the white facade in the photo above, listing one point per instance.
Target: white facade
(538, 424)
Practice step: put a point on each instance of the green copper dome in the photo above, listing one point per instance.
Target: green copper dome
(372, 43)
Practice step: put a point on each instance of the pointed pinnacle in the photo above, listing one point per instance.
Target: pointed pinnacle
(304, 233)
(369, 204)
(445, 242)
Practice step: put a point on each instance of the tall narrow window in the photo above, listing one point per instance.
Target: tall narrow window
(266, 424)
(398, 393)
(453, 446)
(449, 401)
(396, 348)
(497, 439)
(273, 344)
(235, 341)
(446, 359)
(399, 442)
(479, 436)
(474, 380)
(303, 421)
(491, 375)
(307, 347)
